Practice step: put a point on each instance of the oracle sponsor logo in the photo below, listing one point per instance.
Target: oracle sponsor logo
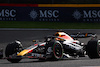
(6, 14)
(87, 15)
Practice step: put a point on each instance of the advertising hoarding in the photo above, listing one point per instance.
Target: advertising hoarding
(52, 14)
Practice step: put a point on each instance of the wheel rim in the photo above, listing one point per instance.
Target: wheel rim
(57, 51)
(98, 48)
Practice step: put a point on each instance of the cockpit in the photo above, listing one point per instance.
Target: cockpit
(63, 35)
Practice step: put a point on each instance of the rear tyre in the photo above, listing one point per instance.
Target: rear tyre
(11, 50)
(93, 49)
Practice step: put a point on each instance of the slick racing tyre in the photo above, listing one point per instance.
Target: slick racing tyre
(57, 51)
(93, 49)
(11, 51)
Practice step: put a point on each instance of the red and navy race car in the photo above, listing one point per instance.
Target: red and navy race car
(55, 47)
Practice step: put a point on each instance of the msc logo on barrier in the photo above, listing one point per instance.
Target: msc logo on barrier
(49, 13)
(90, 15)
(33, 14)
(77, 15)
(6, 14)
(45, 15)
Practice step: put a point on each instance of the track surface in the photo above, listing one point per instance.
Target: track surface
(26, 37)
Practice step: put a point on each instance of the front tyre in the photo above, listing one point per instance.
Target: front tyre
(57, 51)
(93, 49)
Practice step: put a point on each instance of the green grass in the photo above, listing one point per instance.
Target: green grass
(49, 25)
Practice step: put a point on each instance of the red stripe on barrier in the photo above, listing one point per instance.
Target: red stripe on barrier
(20, 5)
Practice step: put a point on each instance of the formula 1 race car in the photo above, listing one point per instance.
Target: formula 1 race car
(55, 47)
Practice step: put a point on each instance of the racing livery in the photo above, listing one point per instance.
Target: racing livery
(55, 47)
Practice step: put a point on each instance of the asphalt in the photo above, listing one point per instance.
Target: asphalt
(26, 36)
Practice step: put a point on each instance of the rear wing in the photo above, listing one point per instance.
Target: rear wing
(83, 35)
